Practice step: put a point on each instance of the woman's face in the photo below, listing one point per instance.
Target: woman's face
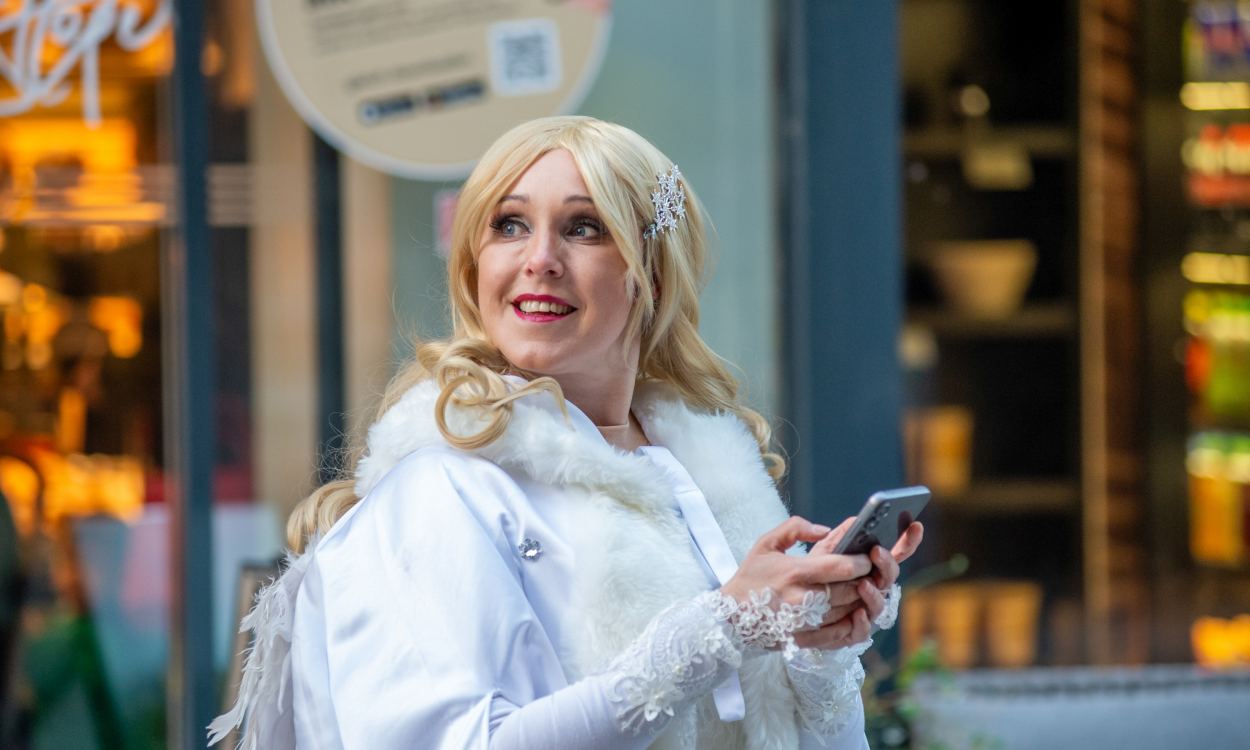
(551, 282)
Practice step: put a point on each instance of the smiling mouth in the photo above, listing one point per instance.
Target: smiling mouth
(540, 306)
(541, 311)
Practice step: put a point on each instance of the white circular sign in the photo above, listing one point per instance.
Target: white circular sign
(420, 88)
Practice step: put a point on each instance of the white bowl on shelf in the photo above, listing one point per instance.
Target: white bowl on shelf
(984, 278)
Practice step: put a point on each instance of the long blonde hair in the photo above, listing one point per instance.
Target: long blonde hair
(665, 274)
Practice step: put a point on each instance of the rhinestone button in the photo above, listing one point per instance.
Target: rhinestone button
(530, 549)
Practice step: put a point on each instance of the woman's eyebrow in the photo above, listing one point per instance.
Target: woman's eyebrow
(526, 199)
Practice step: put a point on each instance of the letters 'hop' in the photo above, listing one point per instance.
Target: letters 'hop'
(669, 202)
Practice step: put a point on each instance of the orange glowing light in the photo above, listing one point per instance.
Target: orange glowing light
(122, 319)
(28, 141)
(78, 485)
(1221, 643)
(20, 484)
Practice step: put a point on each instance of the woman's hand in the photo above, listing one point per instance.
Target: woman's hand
(851, 622)
(790, 577)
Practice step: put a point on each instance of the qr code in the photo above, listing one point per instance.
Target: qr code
(524, 57)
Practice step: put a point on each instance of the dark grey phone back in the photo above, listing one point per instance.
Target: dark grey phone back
(883, 519)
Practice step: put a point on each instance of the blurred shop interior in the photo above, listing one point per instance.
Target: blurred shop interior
(1075, 185)
(1076, 345)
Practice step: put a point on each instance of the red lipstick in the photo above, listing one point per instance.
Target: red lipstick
(545, 315)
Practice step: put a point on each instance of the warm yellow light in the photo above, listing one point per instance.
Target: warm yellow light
(122, 319)
(1221, 643)
(103, 184)
(42, 324)
(118, 485)
(110, 147)
(1216, 268)
(34, 298)
(10, 289)
(14, 324)
(104, 237)
(1210, 95)
(71, 420)
(78, 485)
(20, 483)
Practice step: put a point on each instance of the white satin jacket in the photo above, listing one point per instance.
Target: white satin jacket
(484, 599)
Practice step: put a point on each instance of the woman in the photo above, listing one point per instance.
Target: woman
(563, 530)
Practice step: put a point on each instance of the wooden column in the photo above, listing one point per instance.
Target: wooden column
(1116, 591)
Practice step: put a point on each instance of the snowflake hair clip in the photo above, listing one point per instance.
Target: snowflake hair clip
(669, 202)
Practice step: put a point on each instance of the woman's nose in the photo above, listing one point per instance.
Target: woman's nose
(544, 254)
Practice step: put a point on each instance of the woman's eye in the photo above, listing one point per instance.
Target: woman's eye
(587, 229)
(507, 226)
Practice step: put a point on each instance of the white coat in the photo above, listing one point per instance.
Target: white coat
(419, 622)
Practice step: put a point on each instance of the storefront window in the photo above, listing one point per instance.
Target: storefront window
(84, 205)
(87, 207)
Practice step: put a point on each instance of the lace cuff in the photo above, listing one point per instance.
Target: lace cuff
(889, 615)
(757, 625)
(685, 651)
(691, 647)
(826, 687)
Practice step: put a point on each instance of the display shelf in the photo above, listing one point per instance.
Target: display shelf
(1041, 320)
(1043, 141)
(1014, 496)
(1018, 375)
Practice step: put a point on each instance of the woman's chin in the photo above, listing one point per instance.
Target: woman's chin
(537, 364)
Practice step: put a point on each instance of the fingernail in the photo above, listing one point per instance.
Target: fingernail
(820, 528)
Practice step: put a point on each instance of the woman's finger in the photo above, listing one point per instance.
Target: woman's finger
(885, 569)
(794, 529)
(852, 629)
(861, 627)
(827, 637)
(819, 569)
(871, 596)
(826, 546)
(840, 612)
(846, 592)
(907, 544)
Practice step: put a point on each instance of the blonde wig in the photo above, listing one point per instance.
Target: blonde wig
(664, 273)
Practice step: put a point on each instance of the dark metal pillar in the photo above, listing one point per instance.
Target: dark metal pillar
(842, 213)
(331, 387)
(189, 345)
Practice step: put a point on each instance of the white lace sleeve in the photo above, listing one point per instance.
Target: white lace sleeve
(690, 648)
(826, 687)
(685, 651)
(827, 683)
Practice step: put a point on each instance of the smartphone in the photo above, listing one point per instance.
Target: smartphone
(883, 519)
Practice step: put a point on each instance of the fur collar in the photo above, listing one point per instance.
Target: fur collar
(576, 454)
